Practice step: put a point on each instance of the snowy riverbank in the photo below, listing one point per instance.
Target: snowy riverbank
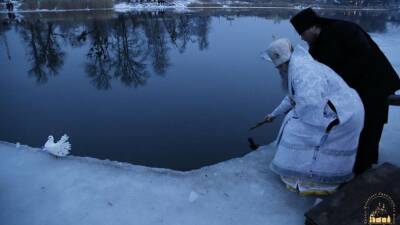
(176, 5)
(38, 189)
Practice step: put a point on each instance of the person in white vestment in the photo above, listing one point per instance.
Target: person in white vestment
(318, 139)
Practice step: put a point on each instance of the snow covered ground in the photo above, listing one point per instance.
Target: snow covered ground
(38, 189)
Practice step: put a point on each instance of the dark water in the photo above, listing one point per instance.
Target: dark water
(175, 90)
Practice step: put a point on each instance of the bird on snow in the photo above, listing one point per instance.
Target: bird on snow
(58, 149)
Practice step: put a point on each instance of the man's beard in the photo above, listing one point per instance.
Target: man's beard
(285, 82)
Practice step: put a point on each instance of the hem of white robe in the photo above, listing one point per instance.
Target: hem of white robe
(309, 188)
(312, 176)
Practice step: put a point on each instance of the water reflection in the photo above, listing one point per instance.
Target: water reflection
(216, 85)
(119, 49)
(125, 46)
(130, 53)
(99, 64)
(44, 48)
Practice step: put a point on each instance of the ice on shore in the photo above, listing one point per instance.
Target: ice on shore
(38, 189)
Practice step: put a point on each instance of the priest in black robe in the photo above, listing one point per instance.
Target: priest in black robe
(350, 51)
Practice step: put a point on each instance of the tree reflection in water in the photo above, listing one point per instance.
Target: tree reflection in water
(129, 47)
(44, 49)
(124, 48)
(129, 66)
(5, 27)
(99, 63)
(133, 42)
(157, 44)
(202, 24)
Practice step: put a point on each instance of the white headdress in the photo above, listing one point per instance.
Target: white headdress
(279, 51)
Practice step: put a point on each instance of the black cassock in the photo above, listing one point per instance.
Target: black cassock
(350, 52)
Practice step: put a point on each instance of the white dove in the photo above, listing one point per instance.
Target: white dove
(59, 149)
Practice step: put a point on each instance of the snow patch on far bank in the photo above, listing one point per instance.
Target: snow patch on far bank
(176, 5)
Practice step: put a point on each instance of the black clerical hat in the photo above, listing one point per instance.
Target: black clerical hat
(304, 20)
